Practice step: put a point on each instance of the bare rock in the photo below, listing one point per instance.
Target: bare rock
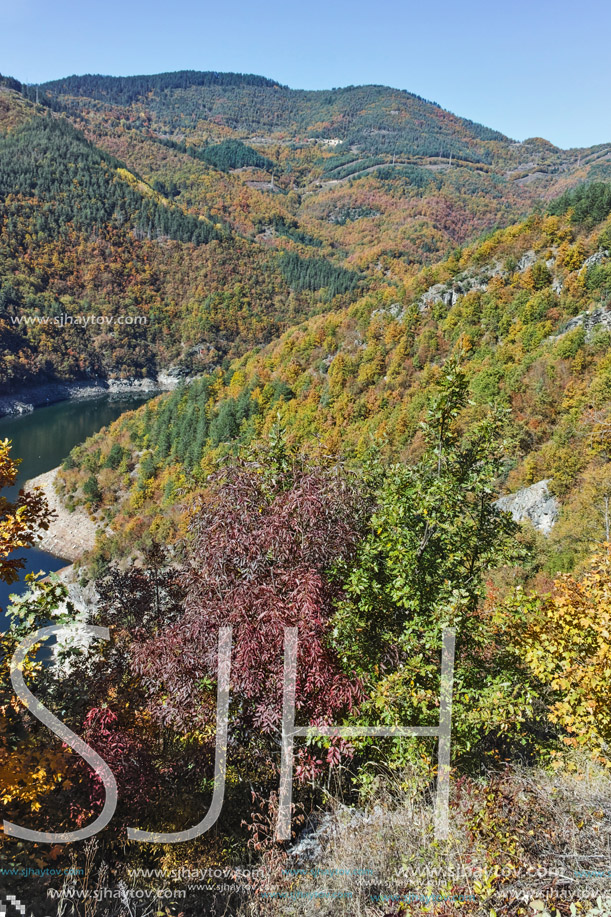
(593, 260)
(534, 503)
(597, 318)
(527, 260)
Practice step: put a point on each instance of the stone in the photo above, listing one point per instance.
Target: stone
(535, 504)
(70, 534)
(590, 321)
(527, 260)
(597, 258)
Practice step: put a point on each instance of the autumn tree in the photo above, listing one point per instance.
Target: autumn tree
(263, 541)
(33, 770)
(20, 519)
(567, 647)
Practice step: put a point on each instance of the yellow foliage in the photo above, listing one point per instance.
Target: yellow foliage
(28, 773)
(571, 257)
(237, 383)
(19, 521)
(568, 648)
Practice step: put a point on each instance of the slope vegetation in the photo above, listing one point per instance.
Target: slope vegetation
(103, 274)
(526, 311)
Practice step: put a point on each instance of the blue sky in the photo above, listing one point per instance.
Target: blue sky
(537, 68)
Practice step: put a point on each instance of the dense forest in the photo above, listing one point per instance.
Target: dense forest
(357, 114)
(226, 155)
(526, 312)
(316, 274)
(113, 202)
(49, 167)
(128, 89)
(82, 235)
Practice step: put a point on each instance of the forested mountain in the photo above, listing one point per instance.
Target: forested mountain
(131, 88)
(49, 167)
(526, 313)
(85, 239)
(221, 208)
(371, 170)
(376, 117)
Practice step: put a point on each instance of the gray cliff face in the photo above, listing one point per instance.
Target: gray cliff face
(597, 318)
(534, 503)
(473, 281)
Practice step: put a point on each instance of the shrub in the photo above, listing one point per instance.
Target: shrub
(568, 648)
(91, 490)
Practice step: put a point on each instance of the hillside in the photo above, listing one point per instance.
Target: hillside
(374, 171)
(526, 311)
(172, 222)
(376, 117)
(390, 441)
(103, 275)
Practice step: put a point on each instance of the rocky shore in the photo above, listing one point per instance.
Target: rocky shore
(25, 400)
(70, 534)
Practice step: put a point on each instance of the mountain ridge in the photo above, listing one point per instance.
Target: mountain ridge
(296, 202)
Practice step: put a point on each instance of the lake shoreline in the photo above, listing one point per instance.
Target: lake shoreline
(70, 534)
(27, 399)
(41, 440)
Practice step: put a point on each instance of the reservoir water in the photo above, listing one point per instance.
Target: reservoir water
(42, 440)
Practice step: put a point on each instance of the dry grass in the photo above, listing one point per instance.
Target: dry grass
(520, 840)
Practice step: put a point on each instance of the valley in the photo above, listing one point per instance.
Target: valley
(42, 439)
(333, 364)
(175, 221)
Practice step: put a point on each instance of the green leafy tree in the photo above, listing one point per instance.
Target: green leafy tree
(115, 457)
(91, 490)
(435, 534)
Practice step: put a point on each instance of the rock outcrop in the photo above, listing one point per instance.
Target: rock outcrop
(534, 503)
(450, 292)
(594, 260)
(596, 318)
